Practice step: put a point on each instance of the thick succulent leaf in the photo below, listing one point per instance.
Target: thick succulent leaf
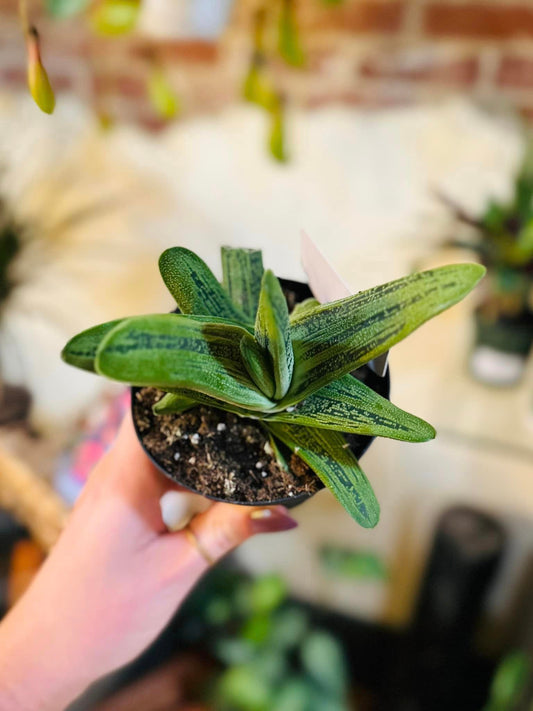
(304, 307)
(172, 404)
(172, 351)
(80, 351)
(348, 405)
(194, 286)
(272, 332)
(257, 363)
(339, 337)
(202, 399)
(328, 456)
(242, 272)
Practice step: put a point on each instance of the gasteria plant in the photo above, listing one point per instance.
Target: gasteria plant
(235, 347)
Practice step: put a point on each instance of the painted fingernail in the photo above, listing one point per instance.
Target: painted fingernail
(271, 520)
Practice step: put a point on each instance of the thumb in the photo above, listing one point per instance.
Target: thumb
(225, 526)
(220, 529)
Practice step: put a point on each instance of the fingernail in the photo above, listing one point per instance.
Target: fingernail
(271, 520)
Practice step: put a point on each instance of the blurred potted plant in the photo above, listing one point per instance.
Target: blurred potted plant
(273, 656)
(241, 401)
(504, 243)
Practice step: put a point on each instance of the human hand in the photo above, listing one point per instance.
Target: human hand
(112, 581)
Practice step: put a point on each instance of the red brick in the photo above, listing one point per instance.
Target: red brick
(367, 100)
(479, 19)
(526, 113)
(362, 16)
(16, 77)
(9, 7)
(516, 72)
(122, 84)
(186, 51)
(457, 72)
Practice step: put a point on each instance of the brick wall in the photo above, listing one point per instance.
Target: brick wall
(372, 53)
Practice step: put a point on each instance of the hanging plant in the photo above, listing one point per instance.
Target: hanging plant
(289, 45)
(162, 96)
(115, 17)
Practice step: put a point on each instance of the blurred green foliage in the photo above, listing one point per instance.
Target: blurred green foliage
(347, 563)
(115, 17)
(273, 657)
(289, 46)
(506, 227)
(509, 682)
(66, 8)
(162, 96)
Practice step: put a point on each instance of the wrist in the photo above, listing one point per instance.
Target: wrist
(32, 676)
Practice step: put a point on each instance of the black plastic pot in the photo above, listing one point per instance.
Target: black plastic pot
(295, 292)
(505, 334)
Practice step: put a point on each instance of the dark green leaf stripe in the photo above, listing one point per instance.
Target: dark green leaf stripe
(336, 338)
(347, 405)
(325, 452)
(172, 351)
(272, 332)
(80, 351)
(242, 271)
(171, 404)
(257, 364)
(194, 286)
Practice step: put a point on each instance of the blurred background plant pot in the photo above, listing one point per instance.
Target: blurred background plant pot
(503, 327)
(502, 237)
(295, 292)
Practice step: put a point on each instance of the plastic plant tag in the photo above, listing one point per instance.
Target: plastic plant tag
(327, 285)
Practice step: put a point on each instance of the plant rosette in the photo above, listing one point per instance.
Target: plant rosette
(251, 473)
(246, 396)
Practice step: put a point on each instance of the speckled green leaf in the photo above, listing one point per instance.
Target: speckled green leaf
(339, 337)
(194, 286)
(304, 307)
(272, 332)
(347, 405)
(80, 351)
(257, 364)
(172, 351)
(242, 271)
(328, 456)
